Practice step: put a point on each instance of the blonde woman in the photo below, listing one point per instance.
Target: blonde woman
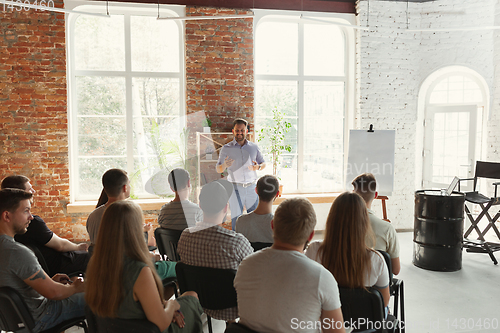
(121, 281)
(344, 252)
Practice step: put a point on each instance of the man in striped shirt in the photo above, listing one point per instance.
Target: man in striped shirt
(179, 213)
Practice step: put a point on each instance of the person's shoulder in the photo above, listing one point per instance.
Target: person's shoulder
(9, 244)
(378, 222)
(376, 257)
(98, 210)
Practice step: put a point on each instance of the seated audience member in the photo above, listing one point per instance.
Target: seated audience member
(117, 187)
(256, 226)
(148, 228)
(50, 301)
(122, 267)
(208, 244)
(61, 255)
(386, 238)
(180, 213)
(344, 251)
(282, 275)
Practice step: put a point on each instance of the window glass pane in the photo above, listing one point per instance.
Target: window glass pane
(276, 48)
(281, 96)
(101, 116)
(99, 43)
(91, 171)
(156, 96)
(323, 50)
(323, 136)
(451, 135)
(155, 44)
(99, 95)
(157, 141)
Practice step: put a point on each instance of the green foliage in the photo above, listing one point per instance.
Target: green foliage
(274, 133)
(207, 122)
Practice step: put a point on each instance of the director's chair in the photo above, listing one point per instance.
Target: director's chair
(488, 170)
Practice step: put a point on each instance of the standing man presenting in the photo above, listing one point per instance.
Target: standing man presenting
(242, 159)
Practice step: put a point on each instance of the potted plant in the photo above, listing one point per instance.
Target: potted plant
(207, 123)
(272, 135)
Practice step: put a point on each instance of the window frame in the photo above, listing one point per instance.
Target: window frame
(126, 9)
(348, 79)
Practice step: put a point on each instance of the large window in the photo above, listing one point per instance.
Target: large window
(454, 123)
(302, 70)
(126, 87)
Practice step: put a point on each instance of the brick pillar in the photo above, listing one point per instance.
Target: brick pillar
(219, 73)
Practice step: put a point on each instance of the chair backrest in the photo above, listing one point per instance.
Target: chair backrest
(362, 307)
(41, 259)
(486, 170)
(14, 314)
(238, 328)
(117, 325)
(167, 240)
(214, 286)
(388, 262)
(259, 246)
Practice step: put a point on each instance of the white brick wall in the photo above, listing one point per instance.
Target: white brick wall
(393, 63)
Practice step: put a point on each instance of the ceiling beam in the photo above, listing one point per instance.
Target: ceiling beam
(338, 6)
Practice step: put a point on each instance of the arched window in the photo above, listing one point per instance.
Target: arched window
(126, 91)
(304, 69)
(455, 106)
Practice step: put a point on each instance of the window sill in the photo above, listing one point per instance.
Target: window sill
(314, 198)
(89, 206)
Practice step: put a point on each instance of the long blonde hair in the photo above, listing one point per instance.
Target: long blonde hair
(120, 234)
(343, 251)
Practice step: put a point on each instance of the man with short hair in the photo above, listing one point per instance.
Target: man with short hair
(256, 225)
(180, 213)
(117, 187)
(208, 244)
(306, 291)
(50, 301)
(385, 235)
(61, 255)
(242, 159)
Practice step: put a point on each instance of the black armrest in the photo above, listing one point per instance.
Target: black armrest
(496, 184)
(466, 179)
(463, 179)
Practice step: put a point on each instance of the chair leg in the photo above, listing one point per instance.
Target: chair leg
(209, 322)
(402, 306)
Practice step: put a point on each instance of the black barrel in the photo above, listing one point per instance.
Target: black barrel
(438, 230)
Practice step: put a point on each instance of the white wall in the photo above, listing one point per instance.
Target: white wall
(392, 63)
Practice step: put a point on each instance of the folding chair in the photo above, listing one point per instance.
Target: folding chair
(118, 325)
(166, 240)
(260, 245)
(396, 288)
(238, 328)
(214, 286)
(15, 315)
(365, 309)
(488, 170)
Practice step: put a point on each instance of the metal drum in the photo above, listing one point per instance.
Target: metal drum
(438, 230)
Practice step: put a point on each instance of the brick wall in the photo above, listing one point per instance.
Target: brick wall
(393, 63)
(33, 109)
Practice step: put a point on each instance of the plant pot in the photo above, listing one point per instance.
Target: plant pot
(206, 129)
(281, 190)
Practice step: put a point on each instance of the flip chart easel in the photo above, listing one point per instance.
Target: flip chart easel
(372, 151)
